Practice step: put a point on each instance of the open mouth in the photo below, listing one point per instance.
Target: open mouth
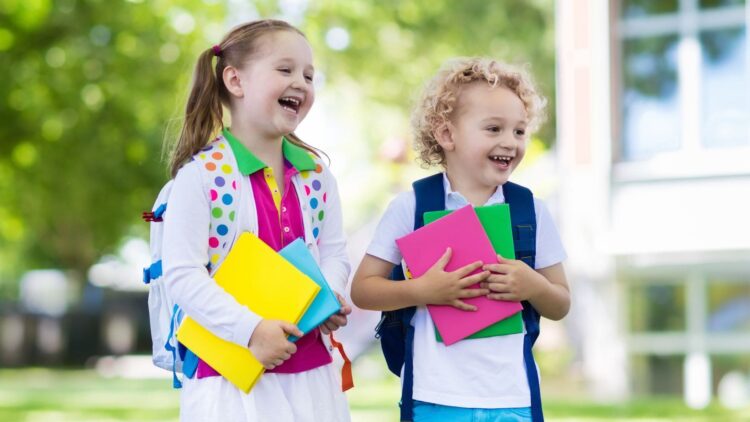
(291, 104)
(502, 161)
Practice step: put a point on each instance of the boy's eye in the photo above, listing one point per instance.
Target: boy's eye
(284, 70)
(309, 78)
(494, 129)
(520, 132)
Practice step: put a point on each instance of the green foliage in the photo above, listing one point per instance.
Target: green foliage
(85, 90)
(396, 46)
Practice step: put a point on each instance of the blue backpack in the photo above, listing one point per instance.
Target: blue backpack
(395, 331)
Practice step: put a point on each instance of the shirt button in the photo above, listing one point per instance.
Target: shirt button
(283, 209)
(286, 229)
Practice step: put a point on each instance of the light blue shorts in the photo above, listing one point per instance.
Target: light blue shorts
(429, 412)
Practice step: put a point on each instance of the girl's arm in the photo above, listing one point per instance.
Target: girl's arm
(334, 261)
(184, 256)
(372, 290)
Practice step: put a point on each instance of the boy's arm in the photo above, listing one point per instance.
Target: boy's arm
(372, 290)
(553, 300)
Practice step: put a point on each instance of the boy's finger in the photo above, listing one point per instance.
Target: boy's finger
(470, 293)
(468, 269)
(473, 279)
(497, 268)
(444, 259)
(460, 304)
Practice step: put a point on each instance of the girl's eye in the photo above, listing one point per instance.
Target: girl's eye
(520, 132)
(309, 78)
(285, 70)
(494, 129)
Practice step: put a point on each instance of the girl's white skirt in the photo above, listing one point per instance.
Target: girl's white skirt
(313, 395)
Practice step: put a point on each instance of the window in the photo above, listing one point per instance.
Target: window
(657, 307)
(684, 77)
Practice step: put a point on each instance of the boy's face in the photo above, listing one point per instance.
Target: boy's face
(485, 139)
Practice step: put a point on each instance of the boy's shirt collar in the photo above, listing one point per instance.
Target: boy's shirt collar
(454, 199)
(248, 163)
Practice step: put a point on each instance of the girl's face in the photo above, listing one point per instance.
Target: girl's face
(276, 86)
(486, 137)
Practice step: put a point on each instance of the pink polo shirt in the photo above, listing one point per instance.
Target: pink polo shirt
(279, 229)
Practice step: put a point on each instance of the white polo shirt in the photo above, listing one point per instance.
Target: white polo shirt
(475, 373)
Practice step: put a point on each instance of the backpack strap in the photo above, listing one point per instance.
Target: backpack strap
(523, 220)
(429, 197)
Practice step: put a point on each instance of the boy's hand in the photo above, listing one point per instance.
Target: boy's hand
(269, 342)
(437, 287)
(337, 320)
(513, 280)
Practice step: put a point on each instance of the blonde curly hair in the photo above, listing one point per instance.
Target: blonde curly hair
(439, 98)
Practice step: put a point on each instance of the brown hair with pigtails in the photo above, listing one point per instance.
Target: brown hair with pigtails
(204, 110)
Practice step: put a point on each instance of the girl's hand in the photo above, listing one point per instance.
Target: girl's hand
(437, 287)
(269, 342)
(513, 280)
(339, 319)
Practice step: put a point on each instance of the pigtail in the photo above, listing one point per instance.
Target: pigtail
(203, 112)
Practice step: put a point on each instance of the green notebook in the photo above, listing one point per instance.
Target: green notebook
(496, 222)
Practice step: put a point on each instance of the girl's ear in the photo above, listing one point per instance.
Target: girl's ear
(444, 136)
(232, 81)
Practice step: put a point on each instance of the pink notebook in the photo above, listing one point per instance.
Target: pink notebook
(461, 231)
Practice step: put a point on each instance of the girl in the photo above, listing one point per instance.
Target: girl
(474, 120)
(257, 176)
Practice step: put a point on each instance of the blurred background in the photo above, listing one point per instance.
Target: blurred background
(644, 162)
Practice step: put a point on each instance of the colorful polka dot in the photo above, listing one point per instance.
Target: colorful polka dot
(314, 203)
(213, 242)
(215, 258)
(316, 184)
(234, 184)
(217, 212)
(320, 215)
(316, 231)
(214, 194)
(222, 229)
(226, 168)
(305, 174)
(203, 156)
(318, 168)
(222, 146)
(219, 181)
(307, 190)
(217, 155)
(226, 199)
(231, 216)
(210, 166)
(325, 194)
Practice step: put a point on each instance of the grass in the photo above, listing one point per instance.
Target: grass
(50, 395)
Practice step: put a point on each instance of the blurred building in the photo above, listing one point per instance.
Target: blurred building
(654, 151)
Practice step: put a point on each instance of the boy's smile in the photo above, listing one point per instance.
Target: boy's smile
(485, 139)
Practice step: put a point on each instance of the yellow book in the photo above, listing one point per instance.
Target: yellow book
(270, 286)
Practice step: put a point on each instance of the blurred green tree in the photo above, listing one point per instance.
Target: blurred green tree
(395, 46)
(85, 90)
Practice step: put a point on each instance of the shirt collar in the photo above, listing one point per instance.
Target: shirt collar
(248, 163)
(454, 199)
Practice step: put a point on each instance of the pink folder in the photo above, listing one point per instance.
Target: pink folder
(463, 233)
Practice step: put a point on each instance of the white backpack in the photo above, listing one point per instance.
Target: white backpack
(221, 181)
(164, 315)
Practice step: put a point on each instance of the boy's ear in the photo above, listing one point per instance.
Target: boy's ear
(232, 81)
(444, 136)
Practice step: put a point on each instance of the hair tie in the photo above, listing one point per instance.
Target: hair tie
(217, 50)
